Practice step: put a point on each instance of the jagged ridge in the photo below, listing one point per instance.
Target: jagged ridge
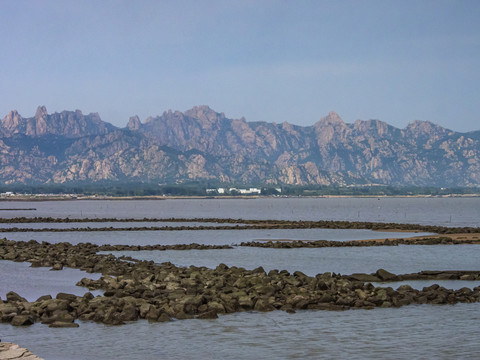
(203, 144)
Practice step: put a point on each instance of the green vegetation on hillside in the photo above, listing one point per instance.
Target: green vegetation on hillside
(199, 189)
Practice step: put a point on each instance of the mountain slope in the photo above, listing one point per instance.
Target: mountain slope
(203, 144)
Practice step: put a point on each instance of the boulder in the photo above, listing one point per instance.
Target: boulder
(211, 314)
(164, 317)
(68, 297)
(60, 324)
(245, 303)
(44, 298)
(364, 277)
(14, 297)
(263, 305)
(216, 307)
(57, 267)
(153, 314)
(384, 275)
(22, 320)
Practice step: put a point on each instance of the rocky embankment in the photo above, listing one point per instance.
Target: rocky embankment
(9, 351)
(439, 240)
(229, 224)
(384, 276)
(162, 292)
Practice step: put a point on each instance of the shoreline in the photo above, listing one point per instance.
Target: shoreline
(34, 198)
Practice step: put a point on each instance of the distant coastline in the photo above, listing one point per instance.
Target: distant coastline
(53, 197)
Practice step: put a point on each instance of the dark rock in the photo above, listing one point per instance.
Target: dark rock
(164, 317)
(59, 324)
(384, 275)
(208, 315)
(14, 297)
(22, 320)
(263, 305)
(364, 277)
(44, 298)
(67, 297)
(57, 267)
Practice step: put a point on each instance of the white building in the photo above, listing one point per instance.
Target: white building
(218, 191)
(246, 191)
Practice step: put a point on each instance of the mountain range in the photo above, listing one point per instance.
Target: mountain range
(201, 144)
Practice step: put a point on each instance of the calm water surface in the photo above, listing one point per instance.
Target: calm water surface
(31, 283)
(397, 259)
(213, 237)
(115, 225)
(412, 332)
(420, 332)
(438, 211)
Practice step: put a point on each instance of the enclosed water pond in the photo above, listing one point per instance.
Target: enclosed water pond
(31, 283)
(345, 260)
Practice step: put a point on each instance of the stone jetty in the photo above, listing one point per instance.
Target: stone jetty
(229, 224)
(430, 240)
(162, 292)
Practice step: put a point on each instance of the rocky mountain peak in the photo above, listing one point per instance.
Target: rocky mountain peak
(11, 116)
(199, 110)
(204, 114)
(330, 128)
(41, 112)
(332, 119)
(134, 123)
(420, 128)
(373, 127)
(11, 122)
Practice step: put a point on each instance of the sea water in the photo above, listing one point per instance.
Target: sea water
(417, 331)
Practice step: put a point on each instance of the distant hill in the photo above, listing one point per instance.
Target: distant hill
(201, 144)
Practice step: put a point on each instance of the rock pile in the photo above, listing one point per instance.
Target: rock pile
(440, 240)
(235, 224)
(384, 276)
(162, 292)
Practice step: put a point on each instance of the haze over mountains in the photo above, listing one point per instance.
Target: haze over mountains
(201, 144)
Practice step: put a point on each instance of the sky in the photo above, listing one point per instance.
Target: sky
(274, 61)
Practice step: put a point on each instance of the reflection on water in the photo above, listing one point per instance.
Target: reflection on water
(411, 332)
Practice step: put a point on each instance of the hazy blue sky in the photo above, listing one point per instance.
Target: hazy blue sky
(293, 61)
